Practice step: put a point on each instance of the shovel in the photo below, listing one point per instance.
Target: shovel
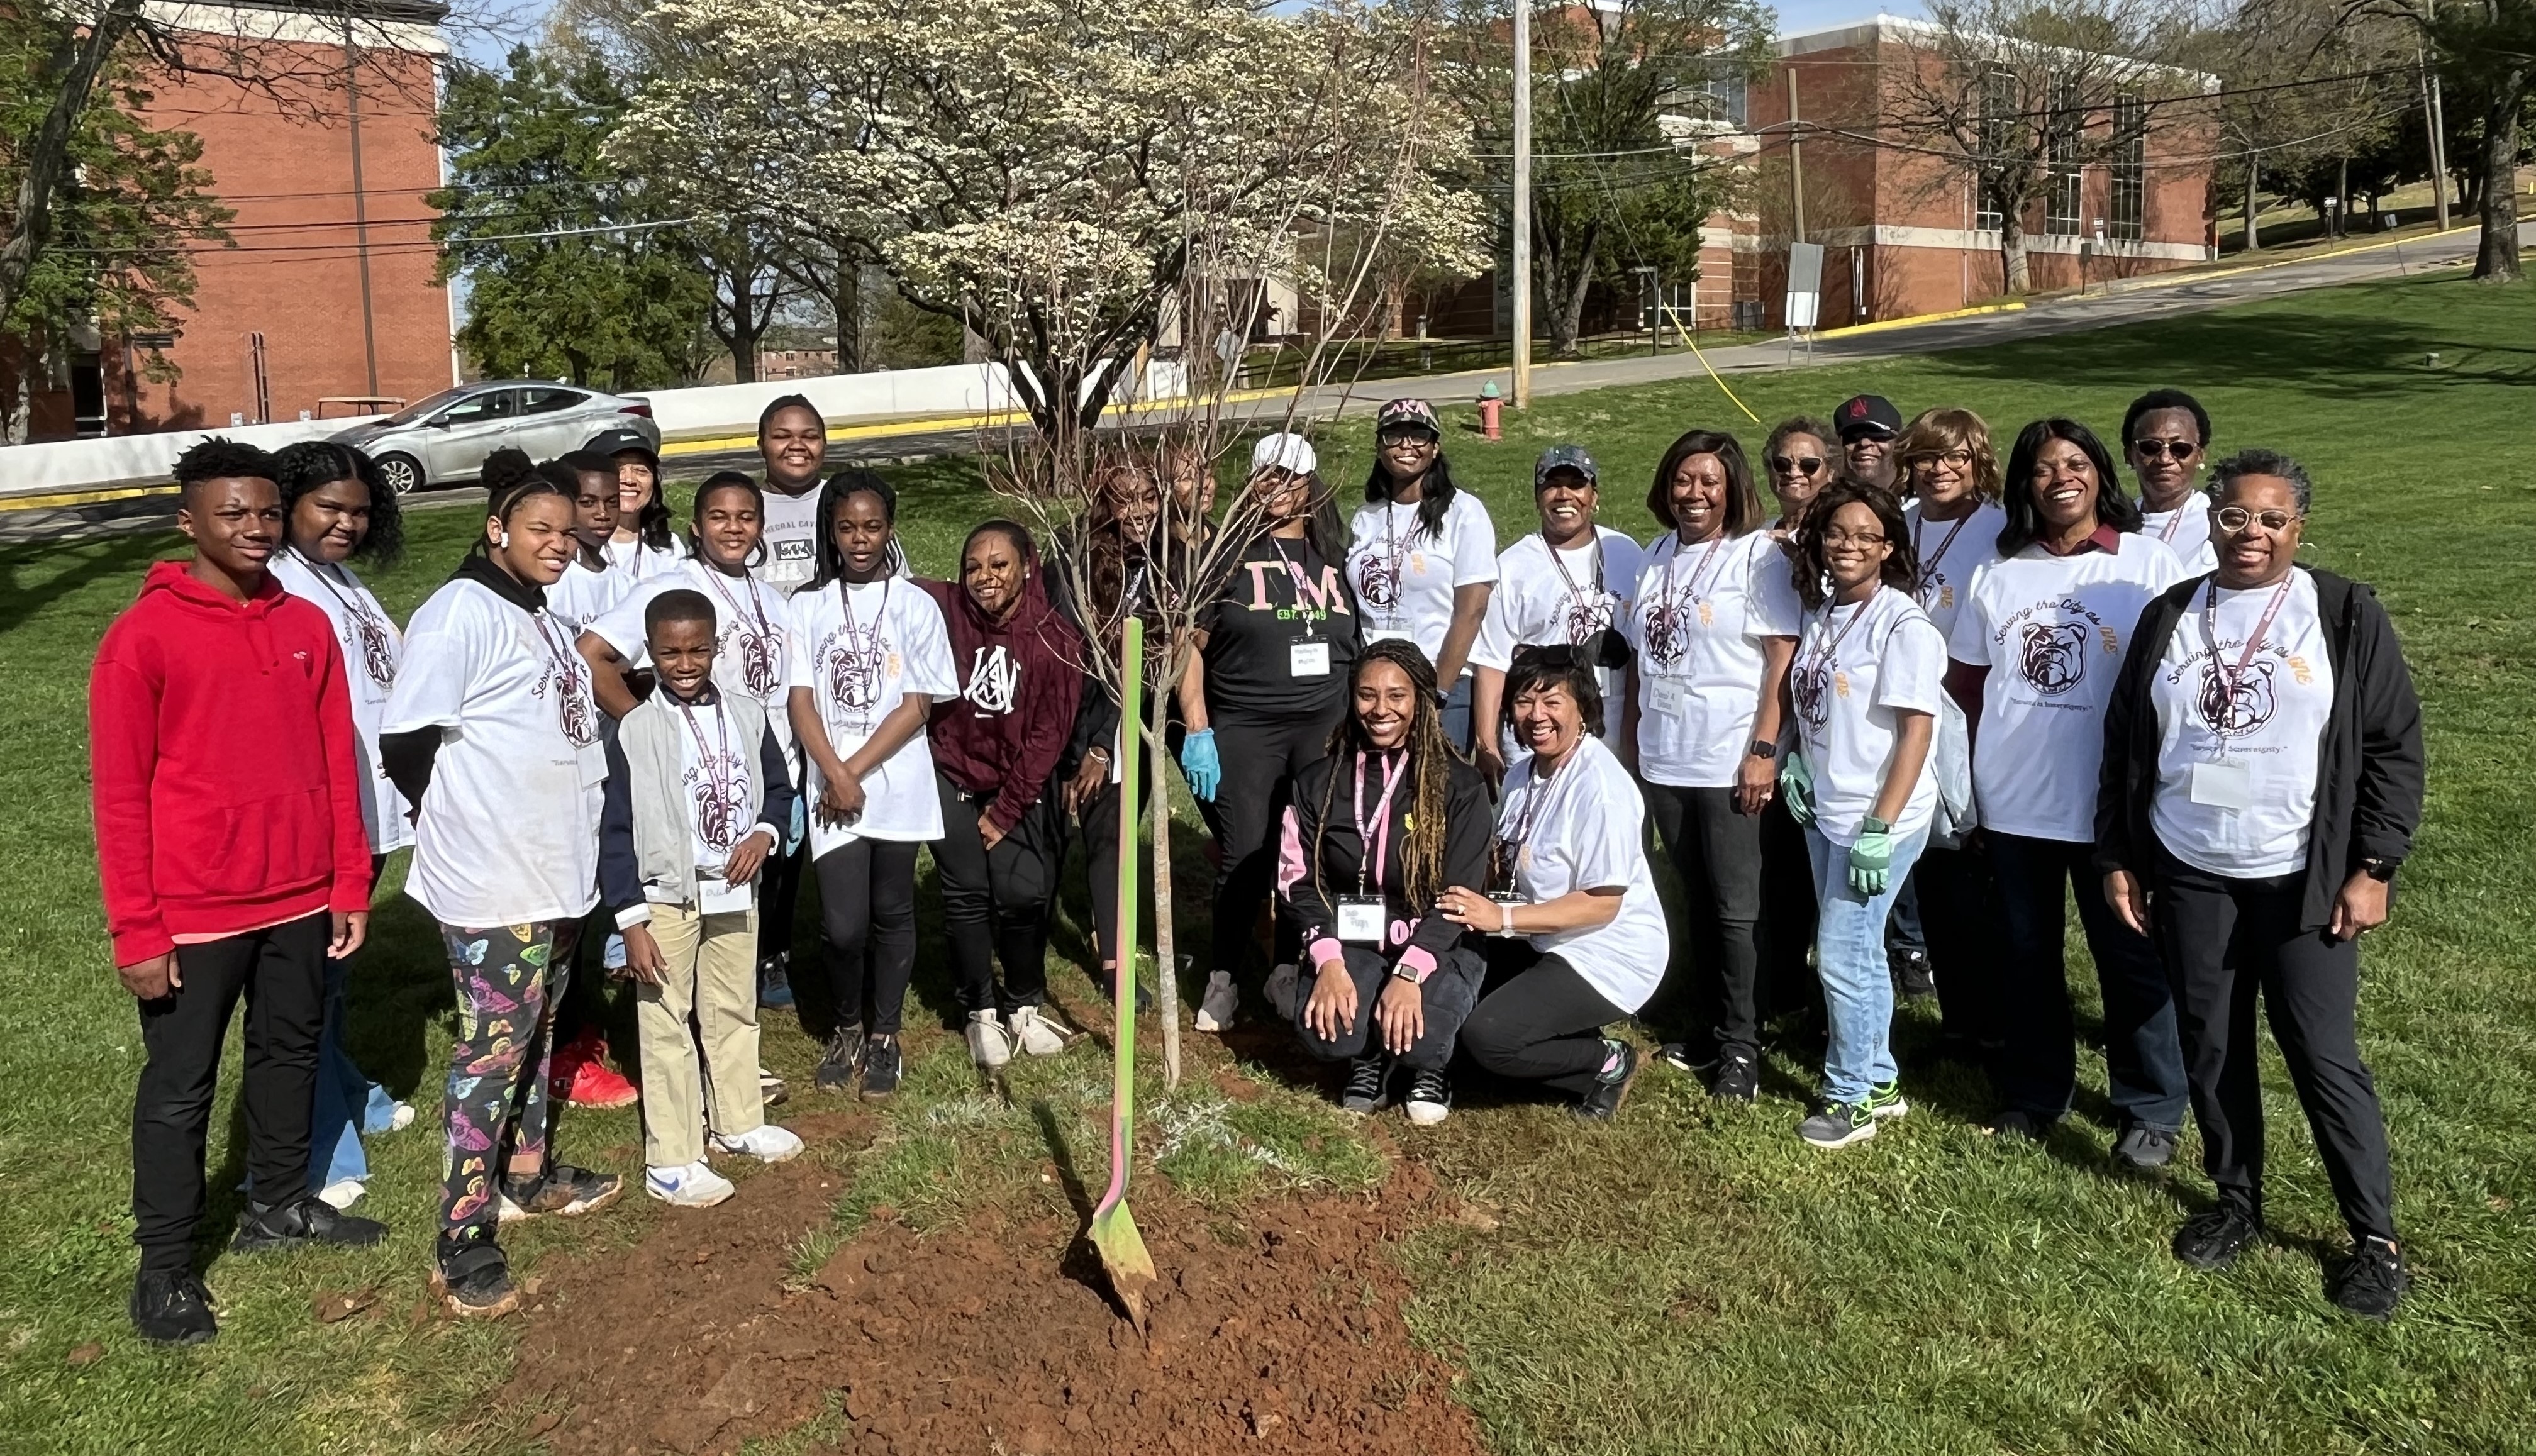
(1113, 1228)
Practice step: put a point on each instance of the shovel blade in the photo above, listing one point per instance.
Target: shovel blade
(1123, 1258)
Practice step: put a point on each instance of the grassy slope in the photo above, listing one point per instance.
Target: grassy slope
(1684, 1281)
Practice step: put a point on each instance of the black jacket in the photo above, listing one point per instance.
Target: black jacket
(2369, 770)
(1313, 903)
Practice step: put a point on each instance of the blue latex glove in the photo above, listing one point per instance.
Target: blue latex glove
(800, 823)
(1796, 787)
(1198, 761)
(1871, 860)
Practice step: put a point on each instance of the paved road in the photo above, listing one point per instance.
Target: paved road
(2123, 302)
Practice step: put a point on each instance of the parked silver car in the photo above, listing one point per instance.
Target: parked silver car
(447, 436)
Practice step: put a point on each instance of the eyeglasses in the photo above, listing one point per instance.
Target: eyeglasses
(1786, 465)
(1952, 458)
(2235, 519)
(2177, 450)
(1846, 539)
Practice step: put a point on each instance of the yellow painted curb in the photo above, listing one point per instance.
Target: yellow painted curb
(2179, 277)
(1918, 319)
(82, 497)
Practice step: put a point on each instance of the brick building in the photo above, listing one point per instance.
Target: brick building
(327, 294)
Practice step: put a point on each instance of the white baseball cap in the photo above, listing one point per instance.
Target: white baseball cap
(1284, 451)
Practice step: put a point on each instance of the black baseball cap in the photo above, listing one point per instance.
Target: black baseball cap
(612, 443)
(1868, 414)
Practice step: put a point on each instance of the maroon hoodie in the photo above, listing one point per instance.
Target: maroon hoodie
(221, 760)
(1019, 682)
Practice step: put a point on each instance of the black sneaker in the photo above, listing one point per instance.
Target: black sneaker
(843, 1058)
(1838, 1125)
(1368, 1079)
(2023, 1125)
(1738, 1076)
(561, 1189)
(880, 1066)
(306, 1219)
(1678, 1056)
(2214, 1238)
(1430, 1098)
(1913, 975)
(471, 1276)
(2145, 1148)
(2372, 1281)
(172, 1308)
(1612, 1083)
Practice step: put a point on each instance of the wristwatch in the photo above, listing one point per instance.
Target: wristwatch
(1763, 748)
(2380, 870)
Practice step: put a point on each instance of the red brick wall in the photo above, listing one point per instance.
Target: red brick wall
(284, 160)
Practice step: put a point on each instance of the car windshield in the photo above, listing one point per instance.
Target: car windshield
(420, 409)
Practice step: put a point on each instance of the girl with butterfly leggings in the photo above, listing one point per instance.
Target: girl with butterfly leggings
(492, 734)
(336, 508)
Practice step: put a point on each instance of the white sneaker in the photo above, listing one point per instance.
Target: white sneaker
(695, 1185)
(1282, 985)
(400, 1117)
(988, 1045)
(766, 1142)
(1214, 1008)
(342, 1194)
(1038, 1033)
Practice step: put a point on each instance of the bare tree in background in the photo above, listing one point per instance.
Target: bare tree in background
(2487, 48)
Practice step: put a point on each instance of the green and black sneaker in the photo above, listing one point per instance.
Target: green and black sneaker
(1884, 1100)
(1838, 1125)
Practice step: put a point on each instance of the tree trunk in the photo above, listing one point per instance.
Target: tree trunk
(1166, 964)
(2011, 249)
(74, 63)
(1568, 320)
(2495, 258)
(845, 303)
(2253, 201)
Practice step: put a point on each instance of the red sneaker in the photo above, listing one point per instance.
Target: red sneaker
(582, 1078)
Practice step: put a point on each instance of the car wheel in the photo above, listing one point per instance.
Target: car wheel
(402, 473)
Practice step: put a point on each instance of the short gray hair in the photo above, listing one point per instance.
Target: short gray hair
(2262, 463)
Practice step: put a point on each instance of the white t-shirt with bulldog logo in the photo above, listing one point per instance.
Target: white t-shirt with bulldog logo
(2052, 630)
(2236, 751)
(859, 650)
(1405, 578)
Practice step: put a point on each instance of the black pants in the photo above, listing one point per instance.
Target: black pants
(1097, 823)
(1789, 982)
(2221, 940)
(1445, 1001)
(1959, 915)
(995, 901)
(282, 974)
(1717, 851)
(867, 909)
(1540, 1020)
(2037, 1067)
(1260, 757)
(779, 893)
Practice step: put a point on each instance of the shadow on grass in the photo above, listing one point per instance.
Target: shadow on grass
(33, 577)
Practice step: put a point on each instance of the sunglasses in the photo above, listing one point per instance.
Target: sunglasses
(1407, 434)
(2166, 449)
(2235, 519)
(1783, 464)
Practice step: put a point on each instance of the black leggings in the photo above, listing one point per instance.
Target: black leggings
(867, 908)
(994, 902)
(1717, 851)
(1097, 823)
(1543, 1023)
(1959, 915)
(779, 891)
(1260, 757)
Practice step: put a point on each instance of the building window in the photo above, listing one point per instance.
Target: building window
(2125, 205)
(1998, 109)
(1719, 98)
(2063, 195)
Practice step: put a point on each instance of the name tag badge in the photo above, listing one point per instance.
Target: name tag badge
(1669, 696)
(1361, 918)
(593, 761)
(2223, 786)
(716, 895)
(1307, 659)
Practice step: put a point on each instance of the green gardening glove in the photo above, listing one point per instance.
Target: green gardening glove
(1796, 787)
(1871, 860)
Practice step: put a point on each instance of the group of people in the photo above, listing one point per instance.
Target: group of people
(1883, 731)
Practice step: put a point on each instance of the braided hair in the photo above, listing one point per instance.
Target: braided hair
(1430, 771)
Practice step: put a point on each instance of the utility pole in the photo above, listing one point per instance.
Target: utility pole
(1795, 153)
(1522, 279)
(2437, 116)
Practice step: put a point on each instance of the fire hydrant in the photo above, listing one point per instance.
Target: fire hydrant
(1490, 406)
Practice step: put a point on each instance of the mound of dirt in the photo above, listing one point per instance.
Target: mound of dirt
(1277, 1328)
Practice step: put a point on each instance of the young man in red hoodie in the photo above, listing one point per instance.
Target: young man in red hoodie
(234, 863)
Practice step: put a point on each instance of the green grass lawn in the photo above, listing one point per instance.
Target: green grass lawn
(1686, 1280)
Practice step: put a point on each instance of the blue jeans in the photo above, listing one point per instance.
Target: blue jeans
(2037, 1067)
(348, 1103)
(1456, 712)
(1848, 954)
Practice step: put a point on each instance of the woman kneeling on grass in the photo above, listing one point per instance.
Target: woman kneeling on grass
(1867, 677)
(1366, 879)
(492, 735)
(1569, 877)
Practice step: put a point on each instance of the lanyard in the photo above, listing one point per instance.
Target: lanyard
(1295, 574)
(756, 602)
(566, 662)
(1706, 560)
(2229, 677)
(2173, 519)
(1578, 600)
(373, 632)
(721, 774)
(1380, 840)
(1826, 653)
(1519, 834)
(846, 603)
(1928, 564)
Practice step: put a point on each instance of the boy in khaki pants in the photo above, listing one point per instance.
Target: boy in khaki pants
(697, 795)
